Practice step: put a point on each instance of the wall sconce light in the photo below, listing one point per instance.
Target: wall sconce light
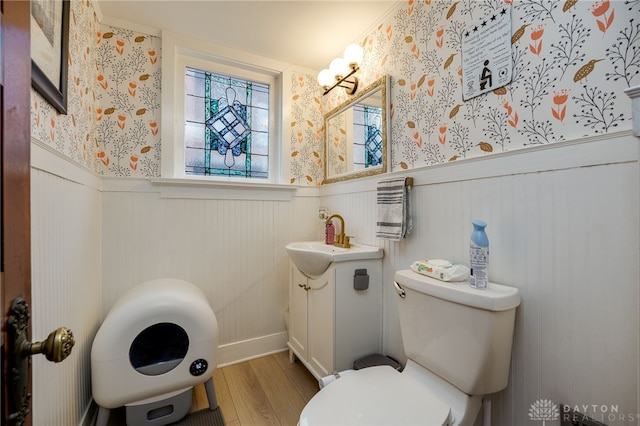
(340, 69)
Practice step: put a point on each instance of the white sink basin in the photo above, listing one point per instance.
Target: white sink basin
(312, 258)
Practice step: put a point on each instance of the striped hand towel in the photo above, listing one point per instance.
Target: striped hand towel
(394, 209)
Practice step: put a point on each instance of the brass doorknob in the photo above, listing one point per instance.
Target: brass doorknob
(57, 347)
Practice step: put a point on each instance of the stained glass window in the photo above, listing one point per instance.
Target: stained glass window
(226, 126)
(367, 123)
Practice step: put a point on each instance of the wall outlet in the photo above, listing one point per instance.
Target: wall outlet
(568, 417)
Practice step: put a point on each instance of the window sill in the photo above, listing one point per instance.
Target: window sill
(249, 184)
(221, 189)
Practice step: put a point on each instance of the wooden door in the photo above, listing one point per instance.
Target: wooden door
(15, 235)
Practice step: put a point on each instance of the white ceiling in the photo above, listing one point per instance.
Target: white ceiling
(307, 33)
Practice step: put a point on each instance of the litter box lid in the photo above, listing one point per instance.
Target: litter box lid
(165, 300)
(160, 336)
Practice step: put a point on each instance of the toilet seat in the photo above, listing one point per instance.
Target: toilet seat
(375, 396)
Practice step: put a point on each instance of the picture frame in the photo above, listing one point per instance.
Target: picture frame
(49, 50)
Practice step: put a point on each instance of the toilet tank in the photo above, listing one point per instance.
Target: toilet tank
(459, 333)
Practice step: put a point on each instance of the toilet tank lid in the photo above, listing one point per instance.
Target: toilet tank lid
(495, 297)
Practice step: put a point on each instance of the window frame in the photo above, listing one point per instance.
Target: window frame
(179, 52)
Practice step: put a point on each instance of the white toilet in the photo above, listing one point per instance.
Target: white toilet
(458, 343)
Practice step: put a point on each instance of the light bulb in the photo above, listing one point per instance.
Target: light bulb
(353, 54)
(338, 67)
(325, 78)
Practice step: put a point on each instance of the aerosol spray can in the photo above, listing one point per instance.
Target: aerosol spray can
(479, 256)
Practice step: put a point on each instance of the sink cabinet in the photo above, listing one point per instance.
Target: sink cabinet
(331, 324)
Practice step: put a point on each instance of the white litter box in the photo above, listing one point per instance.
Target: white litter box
(157, 342)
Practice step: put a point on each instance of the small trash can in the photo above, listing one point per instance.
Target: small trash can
(376, 359)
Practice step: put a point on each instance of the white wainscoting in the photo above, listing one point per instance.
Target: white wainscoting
(233, 249)
(66, 283)
(563, 225)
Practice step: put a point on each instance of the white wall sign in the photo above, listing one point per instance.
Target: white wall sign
(486, 54)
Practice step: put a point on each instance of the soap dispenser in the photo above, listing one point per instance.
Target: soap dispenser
(329, 233)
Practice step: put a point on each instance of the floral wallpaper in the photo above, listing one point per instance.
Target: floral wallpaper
(128, 91)
(307, 131)
(571, 62)
(113, 112)
(73, 134)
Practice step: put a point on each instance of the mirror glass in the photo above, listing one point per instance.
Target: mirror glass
(356, 134)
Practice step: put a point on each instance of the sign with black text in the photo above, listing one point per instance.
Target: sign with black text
(486, 54)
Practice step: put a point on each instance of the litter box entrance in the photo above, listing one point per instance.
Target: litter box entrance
(158, 349)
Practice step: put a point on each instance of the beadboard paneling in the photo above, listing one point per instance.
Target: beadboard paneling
(232, 249)
(66, 291)
(566, 233)
(566, 236)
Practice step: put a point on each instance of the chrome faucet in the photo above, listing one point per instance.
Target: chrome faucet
(340, 240)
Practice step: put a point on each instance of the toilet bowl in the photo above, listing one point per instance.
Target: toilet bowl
(376, 396)
(458, 343)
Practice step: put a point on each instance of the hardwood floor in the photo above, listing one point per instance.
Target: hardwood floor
(263, 391)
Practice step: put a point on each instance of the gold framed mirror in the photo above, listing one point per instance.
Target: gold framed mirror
(356, 134)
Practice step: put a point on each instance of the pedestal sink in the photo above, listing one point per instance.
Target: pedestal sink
(312, 258)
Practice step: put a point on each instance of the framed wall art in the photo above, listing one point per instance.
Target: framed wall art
(49, 49)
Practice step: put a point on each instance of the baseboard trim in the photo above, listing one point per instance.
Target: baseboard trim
(91, 415)
(245, 350)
